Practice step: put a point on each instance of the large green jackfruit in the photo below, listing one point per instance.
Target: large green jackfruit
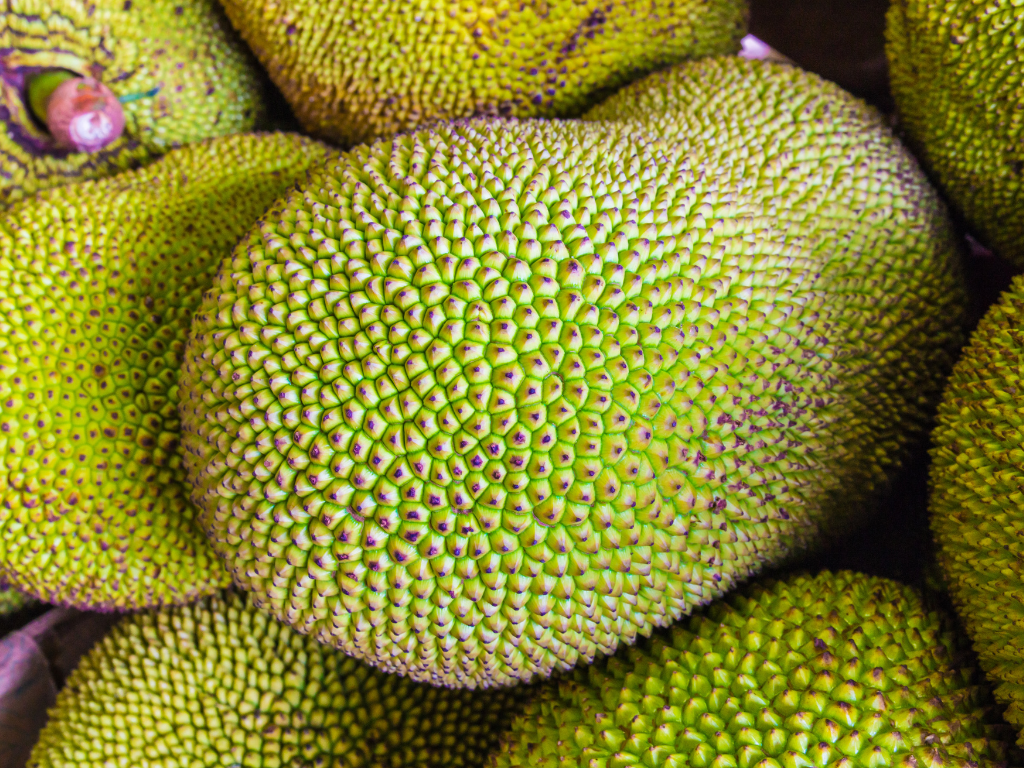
(957, 73)
(836, 670)
(205, 83)
(98, 281)
(977, 474)
(355, 71)
(770, 118)
(485, 400)
(218, 683)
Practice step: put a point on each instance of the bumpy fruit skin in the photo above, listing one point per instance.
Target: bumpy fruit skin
(355, 71)
(208, 83)
(838, 669)
(98, 281)
(806, 153)
(977, 472)
(219, 683)
(958, 80)
(485, 400)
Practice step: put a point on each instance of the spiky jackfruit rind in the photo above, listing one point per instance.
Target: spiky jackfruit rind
(976, 475)
(486, 400)
(958, 80)
(772, 118)
(201, 82)
(218, 683)
(355, 71)
(98, 281)
(837, 669)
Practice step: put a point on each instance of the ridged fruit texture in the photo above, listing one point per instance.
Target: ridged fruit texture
(836, 670)
(12, 601)
(218, 683)
(208, 83)
(806, 153)
(485, 400)
(98, 282)
(958, 79)
(977, 472)
(354, 71)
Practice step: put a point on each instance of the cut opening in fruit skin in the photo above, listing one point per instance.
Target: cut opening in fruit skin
(85, 120)
(39, 86)
(16, 118)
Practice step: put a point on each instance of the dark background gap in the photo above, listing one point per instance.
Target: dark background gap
(842, 40)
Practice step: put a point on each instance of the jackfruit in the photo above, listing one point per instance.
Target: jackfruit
(218, 683)
(977, 472)
(176, 64)
(797, 118)
(12, 601)
(837, 669)
(485, 400)
(356, 71)
(98, 281)
(957, 77)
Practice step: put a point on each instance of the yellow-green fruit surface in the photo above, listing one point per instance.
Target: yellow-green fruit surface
(208, 83)
(218, 683)
(482, 401)
(957, 73)
(98, 281)
(806, 153)
(977, 473)
(836, 670)
(355, 71)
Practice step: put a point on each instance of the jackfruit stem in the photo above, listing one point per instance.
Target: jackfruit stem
(81, 113)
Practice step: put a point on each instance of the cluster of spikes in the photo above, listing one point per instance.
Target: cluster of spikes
(838, 670)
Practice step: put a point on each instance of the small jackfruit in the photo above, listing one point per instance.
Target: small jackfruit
(176, 64)
(356, 71)
(218, 683)
(485, 400)
(832, 670)
(957, 76)
(98, 281)
(977, 473)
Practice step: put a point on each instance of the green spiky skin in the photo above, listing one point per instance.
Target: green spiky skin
(12, 601)
(98, 281)
(486, 400)
(836, 670)
(958, 80)
(771, 119)
(218, 683)
(208, 83)
(356, 71)
(977, 472)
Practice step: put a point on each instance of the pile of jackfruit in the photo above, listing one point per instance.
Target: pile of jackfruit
(451, 383)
